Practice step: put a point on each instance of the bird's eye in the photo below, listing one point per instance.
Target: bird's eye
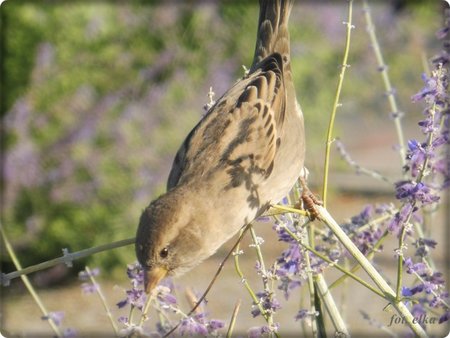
(164, 252)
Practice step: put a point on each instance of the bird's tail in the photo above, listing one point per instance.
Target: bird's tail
(273, 33)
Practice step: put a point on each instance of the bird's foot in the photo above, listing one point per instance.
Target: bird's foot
(309, 200)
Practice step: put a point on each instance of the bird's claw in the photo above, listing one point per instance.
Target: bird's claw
(309, 201)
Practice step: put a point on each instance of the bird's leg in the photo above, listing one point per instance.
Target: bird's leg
(309, 200)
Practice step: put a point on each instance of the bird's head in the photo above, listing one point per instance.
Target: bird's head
(168, 240)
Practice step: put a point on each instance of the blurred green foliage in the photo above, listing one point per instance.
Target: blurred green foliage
(100, 95)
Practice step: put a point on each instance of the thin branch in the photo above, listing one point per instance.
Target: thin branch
(358, 168)
(396, 114)
(330, 305)
(356, 267)
(265, 281)
(67, 258)
(336, 104)
(219, 270)
(334, 264)
(233, 319)
(27, 283)
(246, 284)
(389, 294)
(312, 293)
(102, 300)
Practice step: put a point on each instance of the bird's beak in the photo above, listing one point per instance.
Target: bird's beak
(152, 277)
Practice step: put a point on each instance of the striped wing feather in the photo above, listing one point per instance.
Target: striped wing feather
(240, 130)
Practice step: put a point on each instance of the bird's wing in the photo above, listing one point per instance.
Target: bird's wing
(241, 131)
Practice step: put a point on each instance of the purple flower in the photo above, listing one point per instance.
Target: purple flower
(122, 319)
(442, 33)
(56, 317)
(268, 303)
(334, 254)
(416, 153)
(427, 126)
(418, 310)
(291, 260)
(198, 325)
(435, 278)
(167, 298)
(431, 284)
(89, 288)
(399, 219)
(406, 292)
(442, 58)
(133, 330)
(317, 264)
(364, 216)
(418, 288)
(366, 238)
(69, 333)
(255, 332)
(302, 314)
(259, 331)
(383, 208)
(439, 141)
(135, 274)
(122, 303)
(84, 275)
(287, 285)
(430, 88)
(215, 324)
(422, 246)
(135, 297)
(409, 191)
(438, 299)
(429, 287)
(189, 326)
(427, 242)
(419, 268)
(282, 233)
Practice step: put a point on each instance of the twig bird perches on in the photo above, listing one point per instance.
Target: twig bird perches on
(245, 154)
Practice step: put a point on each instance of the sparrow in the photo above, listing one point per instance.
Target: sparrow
(244, 155)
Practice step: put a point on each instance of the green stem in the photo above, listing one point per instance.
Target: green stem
(247, 285)
(102, 300)
(233, 319)
(407, 225)
(330, 305)
(400, 258)
(131, 314)
(67, 258)
(371, 271)
(386, 81)
(27, 283)
(263, 271)
(311, 290)
(289, 209)
(146, 307)
(356, 267)
(258, 252)
(337, 266)
(429, 142)
(376, 221)
(336, 104)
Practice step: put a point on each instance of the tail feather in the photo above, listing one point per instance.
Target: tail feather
(273, 34)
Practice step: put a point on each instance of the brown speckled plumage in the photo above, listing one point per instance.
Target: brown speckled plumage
(246, 153)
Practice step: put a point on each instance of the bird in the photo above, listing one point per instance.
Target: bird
(245, 154)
